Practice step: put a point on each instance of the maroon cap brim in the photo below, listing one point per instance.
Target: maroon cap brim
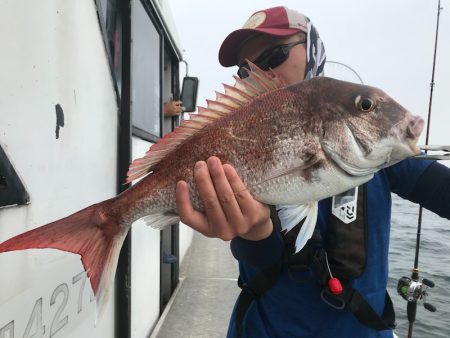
(232, 44)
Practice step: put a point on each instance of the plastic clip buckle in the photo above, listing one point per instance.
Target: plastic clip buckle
(331, 300)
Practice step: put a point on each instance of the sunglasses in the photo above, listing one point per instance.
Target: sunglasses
(270, 58)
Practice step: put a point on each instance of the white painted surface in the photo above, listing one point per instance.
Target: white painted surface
(145, 267)
(53, 53)
(186, 235)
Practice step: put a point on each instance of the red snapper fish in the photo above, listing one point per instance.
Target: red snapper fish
(291, 145)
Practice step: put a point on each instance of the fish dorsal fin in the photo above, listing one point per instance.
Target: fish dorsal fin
(243, 92)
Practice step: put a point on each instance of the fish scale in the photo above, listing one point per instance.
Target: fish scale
(291, 145)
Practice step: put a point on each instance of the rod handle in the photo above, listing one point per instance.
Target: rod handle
(411, 310)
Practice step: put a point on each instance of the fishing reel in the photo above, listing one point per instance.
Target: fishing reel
(412, 291)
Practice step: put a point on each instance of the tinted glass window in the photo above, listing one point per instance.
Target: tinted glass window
(145, 72)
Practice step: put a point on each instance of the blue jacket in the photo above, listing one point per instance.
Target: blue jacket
(295, 309)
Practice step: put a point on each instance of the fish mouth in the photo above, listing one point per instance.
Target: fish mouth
(413, 132)
(413, 146)
(404, 138)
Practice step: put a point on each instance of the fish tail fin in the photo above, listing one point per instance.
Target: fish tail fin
(91, 233)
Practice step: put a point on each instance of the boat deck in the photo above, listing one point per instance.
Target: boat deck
(203, 301)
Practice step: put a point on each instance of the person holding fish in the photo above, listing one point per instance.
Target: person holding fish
(335, 286)
(267, 155)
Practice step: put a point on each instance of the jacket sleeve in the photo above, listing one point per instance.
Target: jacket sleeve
(259, 254)
(423, 182)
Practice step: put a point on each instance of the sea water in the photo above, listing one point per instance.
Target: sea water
(434, 264)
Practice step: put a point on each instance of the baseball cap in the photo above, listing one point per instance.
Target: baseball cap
(276, 21)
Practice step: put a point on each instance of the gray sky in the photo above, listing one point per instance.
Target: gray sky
(390, 44)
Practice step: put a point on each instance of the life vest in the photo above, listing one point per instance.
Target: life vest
(342, 258)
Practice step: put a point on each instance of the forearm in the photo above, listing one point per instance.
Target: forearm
(261, 253)
(432, 190)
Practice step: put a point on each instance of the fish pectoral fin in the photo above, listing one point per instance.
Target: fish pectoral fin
(291, 215)
(161, 220)
(275, 173)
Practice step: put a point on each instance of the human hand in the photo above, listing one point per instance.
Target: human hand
(173, 108)
(230, 209)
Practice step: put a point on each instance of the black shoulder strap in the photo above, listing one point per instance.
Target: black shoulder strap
(367, 315)
(361, 309)
(251, 291)
(351, 298)
(346, 244)
(263, 281)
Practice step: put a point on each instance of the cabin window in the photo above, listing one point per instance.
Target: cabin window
(111, 25)
(103, 7)
(146, 70)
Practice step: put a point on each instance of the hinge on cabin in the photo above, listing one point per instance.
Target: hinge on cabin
(12, 191)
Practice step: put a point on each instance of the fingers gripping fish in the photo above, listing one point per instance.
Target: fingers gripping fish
(291, 145)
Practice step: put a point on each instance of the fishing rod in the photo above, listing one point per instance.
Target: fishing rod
(412, 289)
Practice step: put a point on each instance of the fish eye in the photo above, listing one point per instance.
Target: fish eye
(364, 104)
